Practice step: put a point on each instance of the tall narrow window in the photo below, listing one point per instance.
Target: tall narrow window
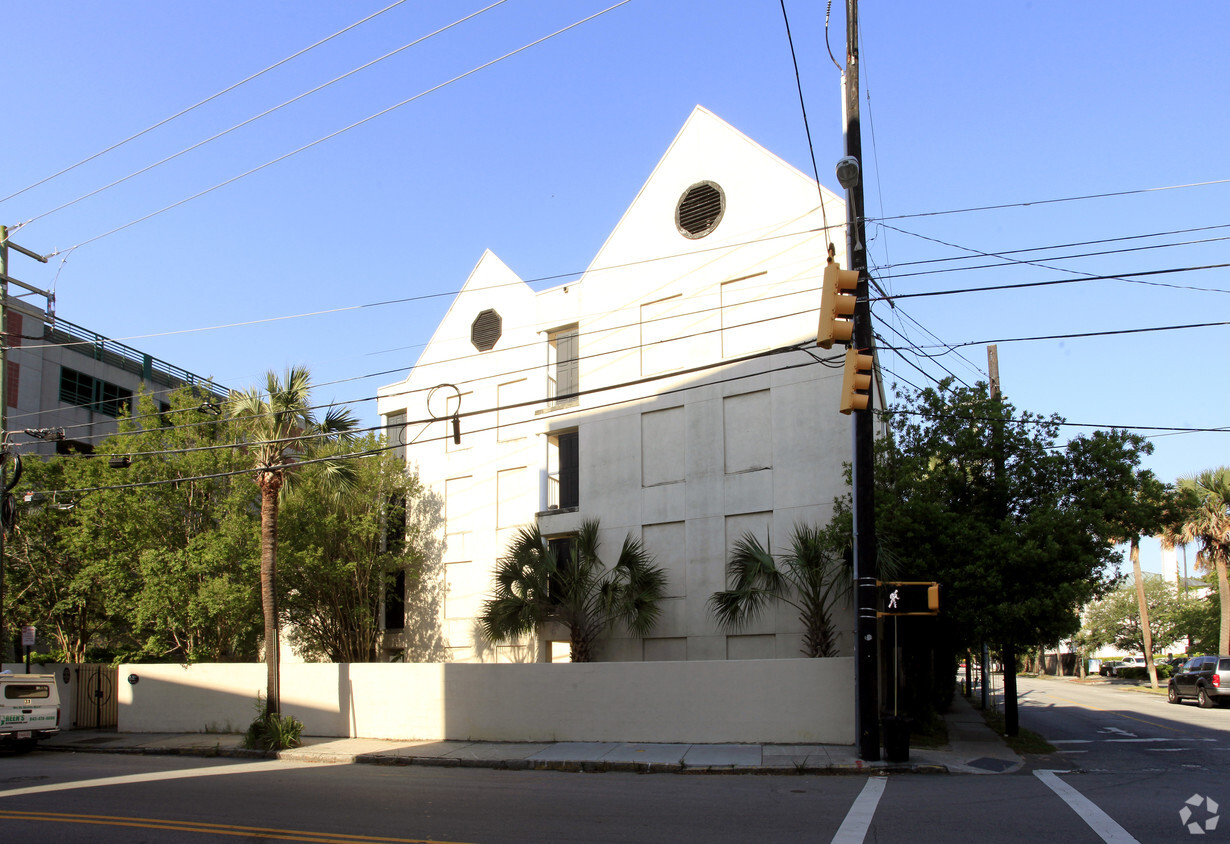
(562, 365)
(395, 525)
(395, 431)
(395, 601)
(561, 548)
(563, 471)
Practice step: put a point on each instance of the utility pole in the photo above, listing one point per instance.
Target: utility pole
(5, 342)
(993, 372)
(866, 662)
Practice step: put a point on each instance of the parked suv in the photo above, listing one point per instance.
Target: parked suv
(1206, 678)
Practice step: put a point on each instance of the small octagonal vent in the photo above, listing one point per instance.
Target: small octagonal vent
(700, 209)
(485, 330)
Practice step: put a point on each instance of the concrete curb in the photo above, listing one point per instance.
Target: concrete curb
(590, 766)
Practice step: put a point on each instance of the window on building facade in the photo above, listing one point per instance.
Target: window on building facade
(395, 525)
(563, 471)
(90, 393)
(395, 601)
(561, 548)
(395, 431)
(563, 371)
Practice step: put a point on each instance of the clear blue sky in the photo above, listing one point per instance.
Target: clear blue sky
(965, 105)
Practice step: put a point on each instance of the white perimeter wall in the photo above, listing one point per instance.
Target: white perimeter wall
(773, 701)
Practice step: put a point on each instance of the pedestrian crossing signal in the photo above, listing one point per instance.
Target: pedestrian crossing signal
(909, 597)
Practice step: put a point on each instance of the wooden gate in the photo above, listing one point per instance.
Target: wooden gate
(96, 703)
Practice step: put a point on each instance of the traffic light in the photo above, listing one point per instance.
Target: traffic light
(856, 382)
(909, 598)
(836, 306)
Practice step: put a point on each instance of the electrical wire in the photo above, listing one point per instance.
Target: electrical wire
(1047, 266)
(1126, 277)
(452, 293)
(354, 125)
(471, 414)
(803, 108)
(525, 370)
(1087, 334)
(210, 98)
(265, 113)
(886, 268)
(1026, 204)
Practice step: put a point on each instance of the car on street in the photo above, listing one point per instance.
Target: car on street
(1128, 662)
(1205, 678)
(1107, 667)
(29, 710)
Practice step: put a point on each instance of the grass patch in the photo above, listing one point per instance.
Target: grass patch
(1026, 742)
(930, 733)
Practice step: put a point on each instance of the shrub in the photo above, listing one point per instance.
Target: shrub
(1138, 672)
(274, 732)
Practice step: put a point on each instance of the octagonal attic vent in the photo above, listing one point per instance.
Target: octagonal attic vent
(485, 330)
(700, 209)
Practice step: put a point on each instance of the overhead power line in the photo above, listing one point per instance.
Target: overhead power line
(208, 99)
(345, 129)
(1128, 277)
(1025, 204)
(263, 114)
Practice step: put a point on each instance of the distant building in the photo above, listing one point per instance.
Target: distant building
(674, 392)
(60, 375)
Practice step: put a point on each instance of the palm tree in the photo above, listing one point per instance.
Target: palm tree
(811, 577)
(280, 432)
(533, 588)
(1209, 524)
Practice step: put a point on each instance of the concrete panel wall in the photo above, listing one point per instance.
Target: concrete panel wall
(761, 700)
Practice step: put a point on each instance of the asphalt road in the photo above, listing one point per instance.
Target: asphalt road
(1105, 785)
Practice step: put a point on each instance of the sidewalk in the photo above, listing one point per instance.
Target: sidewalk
(973, 748)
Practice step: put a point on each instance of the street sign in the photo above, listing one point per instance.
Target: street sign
(909, 597)
(27, 636)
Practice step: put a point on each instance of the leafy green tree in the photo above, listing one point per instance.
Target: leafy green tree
(533, 588)
(338, 554)
(1115, 619)
(68, 561)
(1208, 523)
(981, 497)
(1133, 501)
(811, 577)
(280, 432)
(1201, 616)
(193, 531)
(155, 560)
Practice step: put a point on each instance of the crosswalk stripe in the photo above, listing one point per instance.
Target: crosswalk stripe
(1088, 811)
(858, 820)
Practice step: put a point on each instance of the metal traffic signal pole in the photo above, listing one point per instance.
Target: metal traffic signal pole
(866, 652)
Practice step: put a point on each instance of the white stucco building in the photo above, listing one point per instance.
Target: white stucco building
(674, 392)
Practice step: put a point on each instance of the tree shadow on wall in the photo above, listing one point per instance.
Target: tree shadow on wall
(424, 633)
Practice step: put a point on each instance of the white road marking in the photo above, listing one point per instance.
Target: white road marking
(1100, 822)
(1072, 741)
(268, 765)
(858, 820)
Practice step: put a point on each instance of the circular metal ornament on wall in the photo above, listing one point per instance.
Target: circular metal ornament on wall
(700, 209)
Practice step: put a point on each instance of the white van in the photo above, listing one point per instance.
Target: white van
(29, 710)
